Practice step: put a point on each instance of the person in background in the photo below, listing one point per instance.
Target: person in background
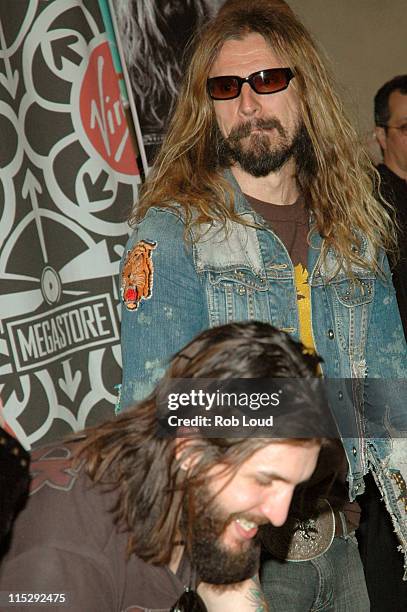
(261, 205)
(390, 114)
(377, 540)
(121, 517)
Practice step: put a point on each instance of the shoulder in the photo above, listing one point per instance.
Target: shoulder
(162, 221)
(385, 173)
(158, 239)
(388, 183)
(54, 468)
(160, 227)
(65, 537)
(64, 505)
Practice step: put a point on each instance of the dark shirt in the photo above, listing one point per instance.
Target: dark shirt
(290, 223)
(394, 190)
(14, 480)
(65, 541)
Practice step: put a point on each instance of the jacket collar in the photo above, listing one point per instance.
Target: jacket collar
(242, 206)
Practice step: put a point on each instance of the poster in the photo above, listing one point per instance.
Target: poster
(154, 35)
(68, 178)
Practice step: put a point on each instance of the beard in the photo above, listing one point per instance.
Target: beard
(215, 562)
(259, 156)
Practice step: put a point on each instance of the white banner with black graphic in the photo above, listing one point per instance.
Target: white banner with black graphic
(68, 178)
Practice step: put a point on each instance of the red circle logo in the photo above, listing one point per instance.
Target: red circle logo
(102, 112)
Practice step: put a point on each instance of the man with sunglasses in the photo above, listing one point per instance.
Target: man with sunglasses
(126, 515)
(261, 205)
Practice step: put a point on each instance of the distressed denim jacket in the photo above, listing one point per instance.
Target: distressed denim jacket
(238, 273)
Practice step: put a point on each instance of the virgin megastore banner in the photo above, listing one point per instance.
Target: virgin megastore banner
(68, 178)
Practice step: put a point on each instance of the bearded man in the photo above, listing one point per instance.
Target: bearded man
(122, 518)
(261, 206)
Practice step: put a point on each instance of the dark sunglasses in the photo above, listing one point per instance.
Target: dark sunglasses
(262, 82)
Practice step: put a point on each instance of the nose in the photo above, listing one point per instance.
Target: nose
(249, 103)
(276, 505)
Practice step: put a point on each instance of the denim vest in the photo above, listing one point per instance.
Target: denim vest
(237, 273)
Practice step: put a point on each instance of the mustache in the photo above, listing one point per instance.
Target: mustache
(244, 129)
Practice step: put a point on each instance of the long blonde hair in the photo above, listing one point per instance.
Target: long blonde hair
(339, 181)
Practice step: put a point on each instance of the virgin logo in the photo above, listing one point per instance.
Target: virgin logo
(102, 112)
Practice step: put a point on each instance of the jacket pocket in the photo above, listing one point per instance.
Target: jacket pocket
(235, 295)
(354, 293)
(352, 302)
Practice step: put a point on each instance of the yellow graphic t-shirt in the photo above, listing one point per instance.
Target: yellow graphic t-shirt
(291, 224)
(304, 305)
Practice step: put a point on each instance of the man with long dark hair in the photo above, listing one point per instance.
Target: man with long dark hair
(261, 205)
(121, 518)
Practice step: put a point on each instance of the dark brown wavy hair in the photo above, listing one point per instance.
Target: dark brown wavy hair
(338, 180)
(128, 456)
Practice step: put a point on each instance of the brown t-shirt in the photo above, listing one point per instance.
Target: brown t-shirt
(291, 224)
(65, 541)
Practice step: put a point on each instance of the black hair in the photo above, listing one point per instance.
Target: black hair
(381, 100)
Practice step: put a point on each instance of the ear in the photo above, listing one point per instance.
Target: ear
(381, 137)
(183, 447)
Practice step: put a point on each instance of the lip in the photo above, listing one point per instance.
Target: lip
(243, 534)
(262, 130)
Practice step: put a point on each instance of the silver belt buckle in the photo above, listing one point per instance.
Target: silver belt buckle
(301, 540)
